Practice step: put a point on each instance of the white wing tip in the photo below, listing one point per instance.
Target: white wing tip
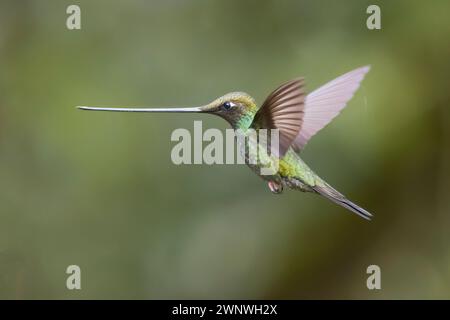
(365, 69)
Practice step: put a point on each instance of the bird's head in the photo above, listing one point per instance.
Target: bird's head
(238, 108)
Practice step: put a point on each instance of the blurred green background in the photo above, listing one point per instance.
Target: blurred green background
(99, 190)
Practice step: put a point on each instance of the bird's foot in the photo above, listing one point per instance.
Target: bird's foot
(275, 187)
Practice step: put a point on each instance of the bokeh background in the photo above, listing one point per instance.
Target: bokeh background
(99, 190)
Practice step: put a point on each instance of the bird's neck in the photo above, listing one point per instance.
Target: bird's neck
(244, 121)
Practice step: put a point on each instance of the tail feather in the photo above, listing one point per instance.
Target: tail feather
(333, 195)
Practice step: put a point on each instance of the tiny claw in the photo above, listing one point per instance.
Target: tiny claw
(275, 187)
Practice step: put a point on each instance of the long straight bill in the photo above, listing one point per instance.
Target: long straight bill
(118, 109)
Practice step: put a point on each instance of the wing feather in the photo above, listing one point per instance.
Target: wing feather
(325, 103)
(283, 110)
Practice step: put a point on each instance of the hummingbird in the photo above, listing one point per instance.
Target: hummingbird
(297, 116)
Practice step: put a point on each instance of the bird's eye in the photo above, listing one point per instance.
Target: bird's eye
(228, 105)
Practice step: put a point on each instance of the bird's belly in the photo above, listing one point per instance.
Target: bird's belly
(258, 160)
(290, 170)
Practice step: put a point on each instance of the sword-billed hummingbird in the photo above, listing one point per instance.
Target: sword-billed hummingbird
(296, 115)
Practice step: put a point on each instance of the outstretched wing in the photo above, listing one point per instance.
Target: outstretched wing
(325, 103)
(283, 110)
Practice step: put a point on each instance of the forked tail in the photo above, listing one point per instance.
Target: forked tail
(333, 195)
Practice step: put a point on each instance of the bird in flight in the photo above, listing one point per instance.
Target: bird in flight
(296, 116)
